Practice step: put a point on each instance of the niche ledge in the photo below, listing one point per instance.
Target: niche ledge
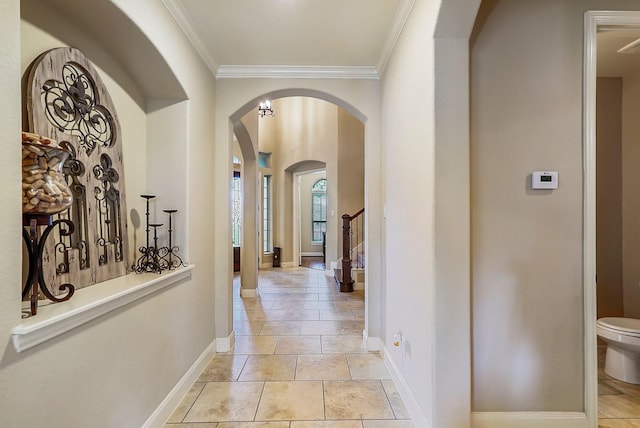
(88, 304)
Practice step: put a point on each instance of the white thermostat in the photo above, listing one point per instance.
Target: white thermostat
(544, 180)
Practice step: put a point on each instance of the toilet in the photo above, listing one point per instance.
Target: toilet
(622, 335)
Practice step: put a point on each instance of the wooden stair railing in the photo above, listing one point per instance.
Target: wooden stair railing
(345, 281)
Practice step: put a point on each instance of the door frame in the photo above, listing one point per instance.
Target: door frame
(593, 20)
(297, 213)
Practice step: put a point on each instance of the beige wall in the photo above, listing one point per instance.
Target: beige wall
(631, 195)
(407, 189)
(85, 365)
(609, 197)
(309, 129)
(350, 169)
(527, 245)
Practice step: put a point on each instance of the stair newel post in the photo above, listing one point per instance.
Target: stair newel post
(346, 284)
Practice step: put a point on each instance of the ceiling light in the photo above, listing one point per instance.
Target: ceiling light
(265, 109)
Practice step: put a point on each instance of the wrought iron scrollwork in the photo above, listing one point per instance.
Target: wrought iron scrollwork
(73, 169)
(35, 243)
(109, 222)
(71, 105)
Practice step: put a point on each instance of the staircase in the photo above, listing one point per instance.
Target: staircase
(351, 265)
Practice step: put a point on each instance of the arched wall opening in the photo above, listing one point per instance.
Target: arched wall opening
(360, 100)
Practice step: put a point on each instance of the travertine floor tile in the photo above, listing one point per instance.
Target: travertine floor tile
(332, 328)
(335, 315)
(367, 366)
(181, 411)
(255, 345)
(253, 425)
(281, 328)
(326, 424)
(399, 409)
(194, 425)
(247, 328)
(324, 305)
(342, 345)
(223, 368)
(388, 424)
(322, 367)
(290, 369)
(269, 367)
(298, 345)
(291, 401)
(356, 399)
(226, 401)
(349, 305)
(289, 296)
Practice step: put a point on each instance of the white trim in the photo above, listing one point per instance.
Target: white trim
(175, 396)
(399, 20)
(410, 402)
(90, 303)
(312, 253)
(224, 344)
(372, 344)
(296, 72)
(529, 420)
(248, 292)
(181, 17)
(593, 20)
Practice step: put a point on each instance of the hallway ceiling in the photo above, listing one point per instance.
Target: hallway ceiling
(314, 38)
(614, 64)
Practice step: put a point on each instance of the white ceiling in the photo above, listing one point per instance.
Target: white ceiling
(610, 62)
(267, 37)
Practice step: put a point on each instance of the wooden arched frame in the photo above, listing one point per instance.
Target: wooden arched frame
(68, 102)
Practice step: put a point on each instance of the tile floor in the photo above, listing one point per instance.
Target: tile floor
(298, 362)
(618, 402)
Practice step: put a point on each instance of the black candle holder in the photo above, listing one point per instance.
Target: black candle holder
(157, 259)
(40, 226)
(174, 260)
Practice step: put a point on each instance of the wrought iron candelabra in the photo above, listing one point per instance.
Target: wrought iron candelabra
(35, 240)
(158, 259)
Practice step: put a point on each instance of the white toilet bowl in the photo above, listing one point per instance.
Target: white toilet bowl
(623, 347)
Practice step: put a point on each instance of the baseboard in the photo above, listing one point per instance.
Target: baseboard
(311, 254)
(410, 402)
(248, 292)
(529, 420)
(373, 344)
(224, 344)
(172, 400)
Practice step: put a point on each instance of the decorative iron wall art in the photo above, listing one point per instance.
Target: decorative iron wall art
(68, 102)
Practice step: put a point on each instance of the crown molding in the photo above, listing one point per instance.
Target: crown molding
(399, 21)
(296, 72)
(182, 18)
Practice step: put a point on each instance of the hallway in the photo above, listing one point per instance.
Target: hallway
(298, 361)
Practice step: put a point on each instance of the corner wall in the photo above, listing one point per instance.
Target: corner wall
(115, 370)
(528, 326)
(630, 195)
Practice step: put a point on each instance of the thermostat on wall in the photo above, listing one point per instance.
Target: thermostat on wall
(544, 180)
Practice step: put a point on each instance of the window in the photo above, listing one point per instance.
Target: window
(264, 160)
(267, 239)
(318, 211)
(236, 206)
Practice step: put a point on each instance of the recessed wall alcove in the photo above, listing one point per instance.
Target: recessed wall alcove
(147, 333)
(149, 101)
